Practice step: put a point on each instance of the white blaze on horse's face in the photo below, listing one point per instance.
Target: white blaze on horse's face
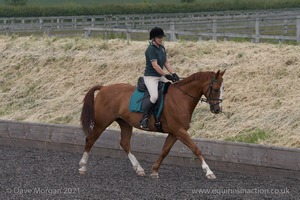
(221, 96)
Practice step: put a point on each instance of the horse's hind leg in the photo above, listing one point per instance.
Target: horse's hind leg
(90, 140)
(126, 132)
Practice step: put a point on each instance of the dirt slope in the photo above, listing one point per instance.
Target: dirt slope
(44, 80)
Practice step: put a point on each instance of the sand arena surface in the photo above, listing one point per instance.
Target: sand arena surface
(28, 173)
(44, 79)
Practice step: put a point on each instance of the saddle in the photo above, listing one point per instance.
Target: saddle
(141, 97)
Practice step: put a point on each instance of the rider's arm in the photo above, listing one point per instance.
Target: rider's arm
(157, 68)
(168, 67)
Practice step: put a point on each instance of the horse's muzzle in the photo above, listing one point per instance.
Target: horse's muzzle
(216, 109)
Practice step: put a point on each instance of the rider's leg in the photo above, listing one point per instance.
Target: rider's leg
(151, 83)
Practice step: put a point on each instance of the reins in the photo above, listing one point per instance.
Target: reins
(197, 98)
(200, 98)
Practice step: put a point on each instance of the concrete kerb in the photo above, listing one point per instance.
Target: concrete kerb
(224, 156)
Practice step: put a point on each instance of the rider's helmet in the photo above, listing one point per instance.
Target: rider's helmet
(156, 32)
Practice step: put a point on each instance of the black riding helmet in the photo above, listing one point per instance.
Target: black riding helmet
(156, 32)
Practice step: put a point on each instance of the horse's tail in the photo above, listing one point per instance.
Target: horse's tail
(88, 111)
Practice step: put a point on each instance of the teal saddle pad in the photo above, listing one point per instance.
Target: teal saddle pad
(138, 96)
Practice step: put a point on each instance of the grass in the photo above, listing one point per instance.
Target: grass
(250, 136)
(45, 3)
(44, 79)
(62, 120)
(94, 7)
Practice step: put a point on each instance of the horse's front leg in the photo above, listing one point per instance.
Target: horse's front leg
(169, 142)
(186, 139)
(209, 174)
(136, 165)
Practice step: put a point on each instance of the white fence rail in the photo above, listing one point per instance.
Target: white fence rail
(284, 25)
(255, 29)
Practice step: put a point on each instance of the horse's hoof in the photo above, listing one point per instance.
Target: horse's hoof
(141, 173)
(82, 170)
(211, 176)
(154, 175)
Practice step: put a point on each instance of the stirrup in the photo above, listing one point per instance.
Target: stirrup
(144, 124)
(158, 126)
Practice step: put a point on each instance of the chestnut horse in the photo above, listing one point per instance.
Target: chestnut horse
(112, 104)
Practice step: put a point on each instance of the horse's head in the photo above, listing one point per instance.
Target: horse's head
(213, 92)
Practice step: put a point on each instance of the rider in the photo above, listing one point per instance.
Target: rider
(156, 60)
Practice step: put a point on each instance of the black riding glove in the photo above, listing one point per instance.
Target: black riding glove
(175, 77)
(170, 77)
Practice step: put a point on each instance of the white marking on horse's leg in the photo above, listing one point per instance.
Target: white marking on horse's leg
(208, 172)
(154, 175)
(83, 163)
(136, 165)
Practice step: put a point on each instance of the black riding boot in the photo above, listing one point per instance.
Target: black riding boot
(147, 113)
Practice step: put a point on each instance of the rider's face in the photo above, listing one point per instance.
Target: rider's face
(158, 40)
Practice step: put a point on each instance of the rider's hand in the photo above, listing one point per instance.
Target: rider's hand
(170, 77)
(175, 77)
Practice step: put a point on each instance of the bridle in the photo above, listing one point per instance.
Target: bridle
(210, 98)
(206, 100)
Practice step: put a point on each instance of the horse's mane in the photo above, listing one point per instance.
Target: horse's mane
(196, 76)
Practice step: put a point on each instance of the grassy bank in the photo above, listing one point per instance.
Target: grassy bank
(45, 79)
(93, 7)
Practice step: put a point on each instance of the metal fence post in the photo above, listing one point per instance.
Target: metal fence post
(285, 26)
(199, 37)
(298, 29)
(172, 32)
(23, 23)
(214, 29)
(41, 23)
(6, 27)
(87, 33)
(128, 34)
(57, 21)
(93, 22)
(256, 30)
(74, 22)
(47, 32)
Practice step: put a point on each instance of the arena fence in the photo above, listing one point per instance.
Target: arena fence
(224, 156)
(255, 26)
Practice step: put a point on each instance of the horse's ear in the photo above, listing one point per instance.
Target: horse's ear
(223, 72)
(217, 75)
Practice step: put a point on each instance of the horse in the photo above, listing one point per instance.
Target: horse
(112, 104)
